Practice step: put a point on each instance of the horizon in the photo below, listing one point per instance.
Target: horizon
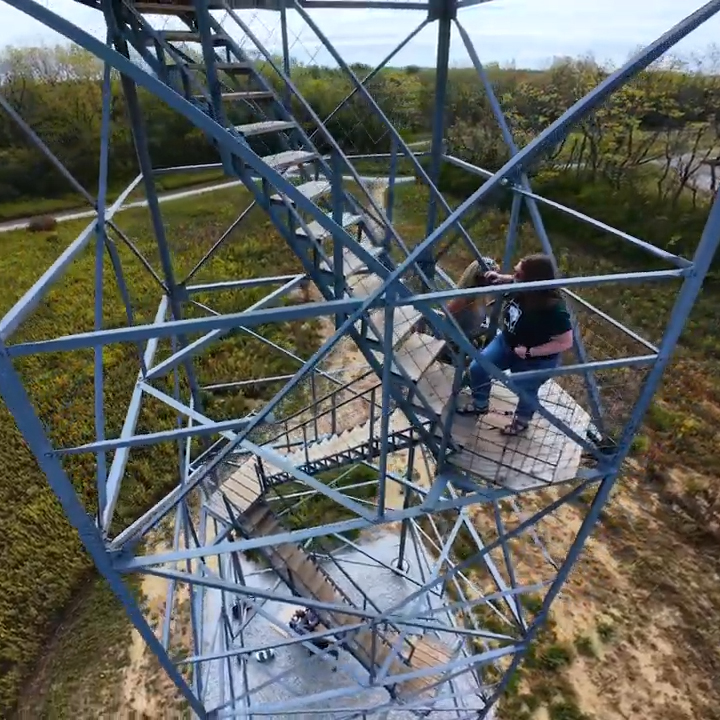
(511, 33)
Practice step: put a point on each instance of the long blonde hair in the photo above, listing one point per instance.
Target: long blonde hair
(472, 276)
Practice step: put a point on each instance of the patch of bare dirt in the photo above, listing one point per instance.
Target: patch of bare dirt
(146, 688)
(641, 608)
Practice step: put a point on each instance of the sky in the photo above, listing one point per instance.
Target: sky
(528, 33)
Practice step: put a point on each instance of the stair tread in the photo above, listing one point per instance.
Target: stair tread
(404, 318)
(234, 65)
(266, 126)
(312, 189)
(239, 500)
(365, 285)
(415, 355)
(189, 36)
(320, 233)
(351, 262)
(244, 95)
(225, 66)
(289, 158)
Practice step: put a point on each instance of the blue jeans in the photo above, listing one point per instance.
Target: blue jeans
(500, 354)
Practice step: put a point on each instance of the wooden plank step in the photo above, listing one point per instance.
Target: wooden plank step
(415, 355)
(266, 126)
(170, 8)
(365, 285)
(240, 499)
(255, 515)
(351, 262)
(320, 233)
(228, 67)
(243, 95)
(288, 158)
(245, 477)
(248, 493)
(312, 190)
(404, 318)
(186, 36)
(312, 578)
(429, 652)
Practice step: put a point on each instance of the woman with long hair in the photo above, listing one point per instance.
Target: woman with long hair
(536, 330)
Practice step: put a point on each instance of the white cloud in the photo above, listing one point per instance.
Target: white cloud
(529, 32)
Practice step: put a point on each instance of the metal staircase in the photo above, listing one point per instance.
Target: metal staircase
(352, 437)
(224, 81)
(371, 648)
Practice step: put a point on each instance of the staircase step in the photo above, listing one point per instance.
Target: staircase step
(436, 385)
(169, 8)
(228, 67)
(234, 66)
(254, 517)
(320, 233)
(288, 158)
(267, 126)
(415, 355)
(185, 36)
(404, 318)
(365, 285)
(243, 95)
(351, 262)
(312, 190)
(238, 497)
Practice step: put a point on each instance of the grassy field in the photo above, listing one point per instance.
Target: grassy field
(31, 207)
(42, 555)
(634, 594)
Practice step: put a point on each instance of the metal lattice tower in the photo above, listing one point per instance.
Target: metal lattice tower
(402, 615)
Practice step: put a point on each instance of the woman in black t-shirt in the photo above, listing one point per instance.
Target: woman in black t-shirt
(535, 331)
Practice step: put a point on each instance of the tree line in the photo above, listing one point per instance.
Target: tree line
(665, 121)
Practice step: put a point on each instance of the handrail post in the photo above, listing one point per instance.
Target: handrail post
(333, 414)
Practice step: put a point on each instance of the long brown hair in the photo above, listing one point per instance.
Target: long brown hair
(535, 268)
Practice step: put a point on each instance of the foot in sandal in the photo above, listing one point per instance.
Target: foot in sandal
(472, 408)
(516, 427)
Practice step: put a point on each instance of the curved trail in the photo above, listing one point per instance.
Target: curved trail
(162, 197)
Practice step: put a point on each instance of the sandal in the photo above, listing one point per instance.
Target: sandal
(472, 409)
(516, 427)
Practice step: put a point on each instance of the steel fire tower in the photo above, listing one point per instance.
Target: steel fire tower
(399, 609)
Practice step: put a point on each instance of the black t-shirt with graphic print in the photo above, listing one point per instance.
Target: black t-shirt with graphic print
(532, 327)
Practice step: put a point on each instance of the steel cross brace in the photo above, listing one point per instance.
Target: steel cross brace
(424, 302)
(127, 563)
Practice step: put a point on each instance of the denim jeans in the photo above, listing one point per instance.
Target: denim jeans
(500, 354)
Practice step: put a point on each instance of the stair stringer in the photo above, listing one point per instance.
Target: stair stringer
(276, 108)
